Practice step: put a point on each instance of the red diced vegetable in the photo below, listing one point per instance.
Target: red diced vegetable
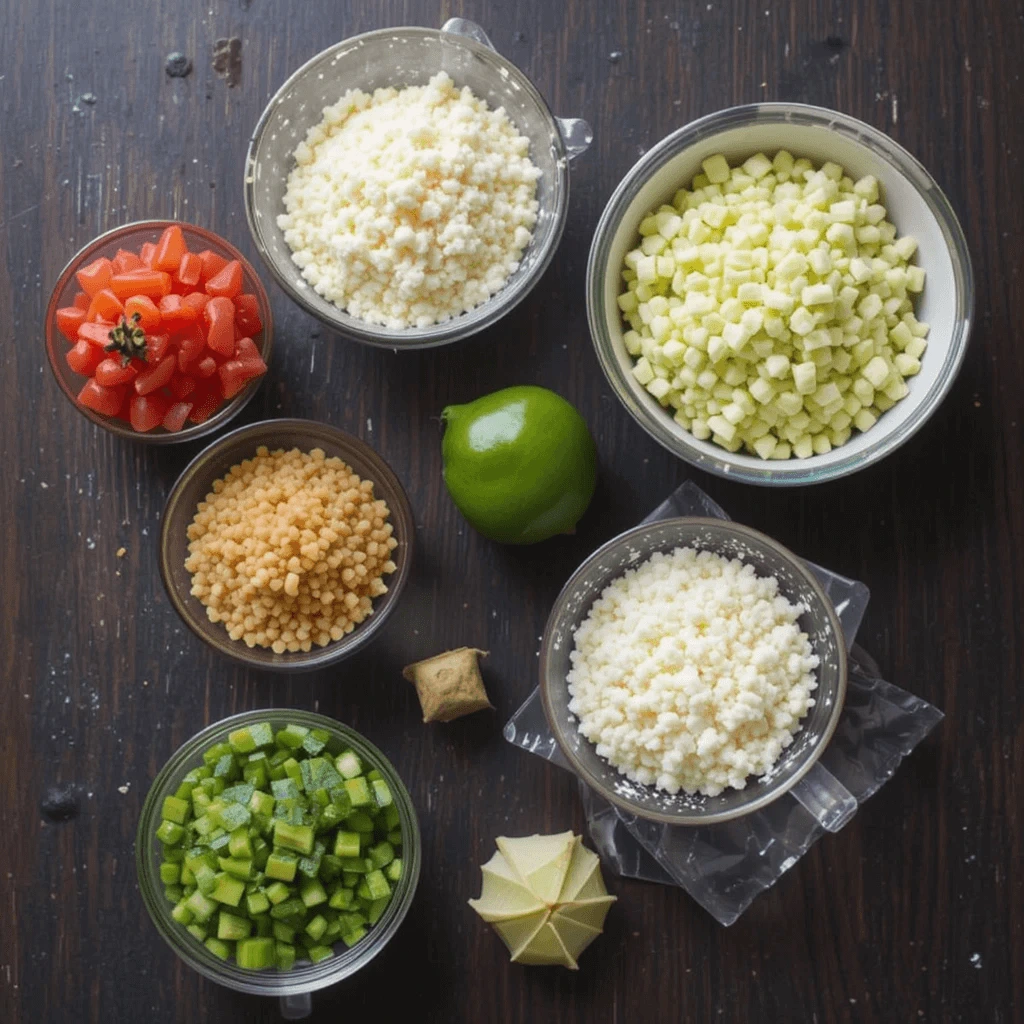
(206, 367)
(247, 314)
(181, 385)
(227, 281)
(246, 352)
(94, 276)
(170, 249)
(83, 358)
(190, 269)
(176, 314)
(96, 333)
(234, 375)
(125, 261)
(147, 254)
(110, 372)
(206, 401)
(69, 319)
(148, 411)
(197, 301)
(149, 313)
(212, 263)
(190, 347)
(156, 375)
(81, 301)
(157, 346)
(176, 415)
(154, 284)
(105, 305)
(220, 319)
(105, 401)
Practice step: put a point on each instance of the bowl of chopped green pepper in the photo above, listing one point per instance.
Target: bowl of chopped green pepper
(278, 852)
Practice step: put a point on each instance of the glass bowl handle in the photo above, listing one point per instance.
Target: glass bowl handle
(296, 1007)
(825, 798)
(577, 135)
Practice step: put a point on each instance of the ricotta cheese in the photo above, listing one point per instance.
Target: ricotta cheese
(691, 672)
(411, 206)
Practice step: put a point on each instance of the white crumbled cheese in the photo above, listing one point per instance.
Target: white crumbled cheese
(409, 207)
(777, 282)
(691, 672)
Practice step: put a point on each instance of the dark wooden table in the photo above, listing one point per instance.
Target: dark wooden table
(914, 912)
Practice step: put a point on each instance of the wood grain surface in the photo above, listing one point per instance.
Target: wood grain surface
(914, 912)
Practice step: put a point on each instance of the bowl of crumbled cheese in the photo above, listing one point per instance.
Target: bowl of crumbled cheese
(286, 544)
(692, 670)
(409, 186)
(780, 294)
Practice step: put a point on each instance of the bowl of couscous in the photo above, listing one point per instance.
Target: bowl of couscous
(286, 544)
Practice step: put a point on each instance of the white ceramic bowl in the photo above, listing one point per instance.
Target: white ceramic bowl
(915, 205)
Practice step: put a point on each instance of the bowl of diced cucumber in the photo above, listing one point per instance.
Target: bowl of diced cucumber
(779, 294)
(277, 853)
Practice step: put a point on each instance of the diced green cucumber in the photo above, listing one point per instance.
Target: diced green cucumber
(352, 937)
(198, 931)
(395, 838)
(182, 914)
(316, 927)
(255, 954)
(232, 816)
(240, 844)
(350, 879)
(291, 736)
(227, 769)
(294, 837)
(234, 866)
(240, 794)
(359, 821)
(290, 907)
(315, 741)
(391, 817)
(264, 926)
(248, 738)
(261, 803)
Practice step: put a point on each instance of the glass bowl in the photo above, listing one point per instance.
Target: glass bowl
(916, 206)
(796, 583)
(403, 57)
(211, 464)
(132, 236)
(293, 986)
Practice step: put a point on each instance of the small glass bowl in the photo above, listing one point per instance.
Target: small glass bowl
(196, 481)
(796, 583)
(403, 57)
(291, 986)
(915, 204)
(133, 236)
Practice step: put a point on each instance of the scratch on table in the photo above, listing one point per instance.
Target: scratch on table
(18, 216)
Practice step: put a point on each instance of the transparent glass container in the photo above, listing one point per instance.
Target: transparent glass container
(915, 204)
(133, 236)
(797, 765)
(196, 481)
(292, 987)
(403, 57)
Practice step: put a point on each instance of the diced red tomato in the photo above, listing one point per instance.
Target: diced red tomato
(110, 372)
(83, 358)
(156, 375)
(154, 284)
(96, 333)
(206, 401)
(176, 314)
(96, 275)
(227, 281)
(182, 385)
(148, 411)
(105, 305)
(206, 367)
(220, 320)
(190, 269)
(105, 401)
(212, 263)
(147, 254)
(176, 416)
(157, 346)
(82, 301)
(170, 249)
(69, 319)
(149, 313)
(125, 261)
(247, 314)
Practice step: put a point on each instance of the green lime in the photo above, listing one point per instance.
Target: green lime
(519, 463)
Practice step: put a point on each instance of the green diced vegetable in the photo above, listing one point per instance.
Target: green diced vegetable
(310, 866)
(233, 816)
(377, 908)
(175, 810)
(393, 872)
(318, 953)
(378, 885)
(239, 868)
(312, 893)
(283, 932)
(261, 803)
(239, 794)
(316, 927)
(340, 798)
(169, 833)
(291, 736)
(358, 865)
(173, 893)
(284, 956)
(359, 821)
(282, 865)
(221, 950)
(181, 913)
(170, 874)
(231, 926)
(256, 774)
(390, 816)
(257, 903)
(248, 738)
(278, 892)
(315, 742)
(289, 908)
(382, 854)
(330, 867)
(395, 838)
(348, 763)
(226, 768)
(358, 790)
(341, 899)
(255, 954)
(352, 937)
(346, 844)
(219, 841)
(215, 753)
(202, 908)
(240, 844)
(381, 793)
(264, 926)
(293, 771)
(198, 931)
(174, 854)
(186, 877)
(350, 879)
(228, 890)
(285, 789)
(294, 837)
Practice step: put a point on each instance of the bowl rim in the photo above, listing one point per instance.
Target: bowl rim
(232, 407)
(272, 983)
(740, 531)
(652, 418)
(337, 650)
(466, 324)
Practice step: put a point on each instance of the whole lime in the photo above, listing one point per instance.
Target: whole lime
(519, 463)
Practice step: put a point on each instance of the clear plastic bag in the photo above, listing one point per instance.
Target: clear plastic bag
(725, 866)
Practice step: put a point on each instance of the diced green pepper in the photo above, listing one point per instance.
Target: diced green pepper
(255, 954)
(240, 844)
(358, 790)
(318, 953)
(239, 868)
(231, 926)
(278, 892)
(261, 803)
(381, 793)
(228, 890)
(257, 903)
(248, 738)
(312, 893)
(198, 931)
(346, 844)
(289, 908)
(202, 908)
(378, 885)
(175, 810)
(316, 927)
(169, 833)
(377, 908)
(348, 763)
(284, 956)
(294, 837)
(291, 736)
(233, 816)
(283, 932)
(219, 949)
(341, 899)
(170, 874)
(382, 854)
(393, 871)
(352, 937)
(282, 865)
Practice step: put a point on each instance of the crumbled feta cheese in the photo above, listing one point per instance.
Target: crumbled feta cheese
(691, 672)
(409, 207)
